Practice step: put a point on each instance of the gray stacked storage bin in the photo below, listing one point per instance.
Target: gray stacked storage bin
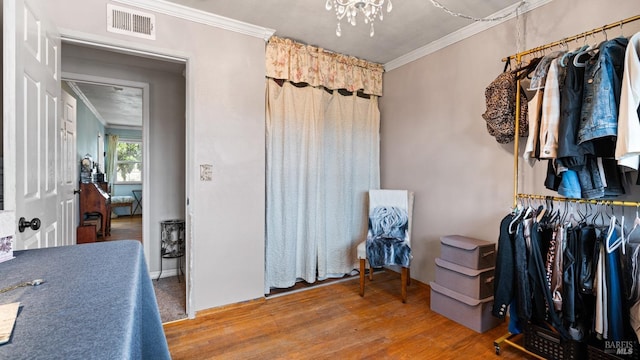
(463, 288)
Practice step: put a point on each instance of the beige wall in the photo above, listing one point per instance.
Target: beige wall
(434, 140)
(225, 89)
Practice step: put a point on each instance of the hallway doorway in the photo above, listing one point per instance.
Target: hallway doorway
(162, 136)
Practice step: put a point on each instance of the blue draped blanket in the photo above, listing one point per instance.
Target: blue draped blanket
(387, 237)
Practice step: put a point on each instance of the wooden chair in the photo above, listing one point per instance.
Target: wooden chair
(401, 199)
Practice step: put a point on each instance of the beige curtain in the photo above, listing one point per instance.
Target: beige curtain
(299, 63)
(322, 158)
(110, 166)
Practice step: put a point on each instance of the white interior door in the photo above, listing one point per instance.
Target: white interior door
(68, 170)
(31, 99)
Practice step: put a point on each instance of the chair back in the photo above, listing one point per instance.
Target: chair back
(402, 199)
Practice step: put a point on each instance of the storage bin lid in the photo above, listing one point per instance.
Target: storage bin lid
(464, 242)
(460, 269)
(456, 295)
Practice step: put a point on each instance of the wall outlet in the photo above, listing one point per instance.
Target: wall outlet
(206, 172)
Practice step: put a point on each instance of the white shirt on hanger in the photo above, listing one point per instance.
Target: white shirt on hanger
(628, 141)
(535, 106)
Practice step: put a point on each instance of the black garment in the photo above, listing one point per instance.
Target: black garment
(569, 276)
(523, 287)
(503, 283)
(542, 299)
(587, 258)
(552, 180)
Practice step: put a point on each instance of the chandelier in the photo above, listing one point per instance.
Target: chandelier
(370, 9)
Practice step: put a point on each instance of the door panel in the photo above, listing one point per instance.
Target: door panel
(68, 168)
(33, 76)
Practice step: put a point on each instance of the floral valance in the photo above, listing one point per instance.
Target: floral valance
(296, 62)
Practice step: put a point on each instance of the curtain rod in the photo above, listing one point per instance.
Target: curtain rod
(519, 55)
(580, 201)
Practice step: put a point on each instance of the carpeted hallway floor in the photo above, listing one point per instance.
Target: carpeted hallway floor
(171, 298)
(170, 294)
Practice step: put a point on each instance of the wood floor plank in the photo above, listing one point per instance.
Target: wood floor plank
(334, 322)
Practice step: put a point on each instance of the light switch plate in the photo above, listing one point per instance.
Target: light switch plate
(206, 172)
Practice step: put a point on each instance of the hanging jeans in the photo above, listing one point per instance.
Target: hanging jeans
(592, 173)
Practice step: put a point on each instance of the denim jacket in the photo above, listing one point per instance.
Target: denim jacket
(602, 84)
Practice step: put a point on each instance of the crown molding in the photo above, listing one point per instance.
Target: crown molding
(462, 34)
(86, 101)
(126, 127)
(202, 17)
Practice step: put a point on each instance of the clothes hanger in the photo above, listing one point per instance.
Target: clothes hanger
(633, 294)
(583, 216)
(591, 51)
(589, 214)
(524, 71)
(598, 216)
(554, 217)
(572, 221)
(618, 241)
(542, 211)
(518, 212)
(521, 215)
(565, 58)
(563, 214)
(636, 223)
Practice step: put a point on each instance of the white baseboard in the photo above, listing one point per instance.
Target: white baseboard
(165, 273)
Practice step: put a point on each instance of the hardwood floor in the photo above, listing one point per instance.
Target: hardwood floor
(334, 322)
(125, 228)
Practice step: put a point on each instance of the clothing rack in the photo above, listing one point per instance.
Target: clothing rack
(509, 338)
(580, 201)
(518, 58)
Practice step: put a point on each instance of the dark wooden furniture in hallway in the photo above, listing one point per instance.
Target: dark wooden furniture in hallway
(95, 201)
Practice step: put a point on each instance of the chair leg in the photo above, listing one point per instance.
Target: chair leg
(370, 272)
(362, 270)
(404, 277)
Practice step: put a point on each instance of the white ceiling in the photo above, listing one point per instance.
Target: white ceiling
(411, 25)
(114, 106)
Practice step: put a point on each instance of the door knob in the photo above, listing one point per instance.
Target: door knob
(76, 191)
(33, 224)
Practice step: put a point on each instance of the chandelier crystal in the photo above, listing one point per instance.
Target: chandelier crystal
(370, 9)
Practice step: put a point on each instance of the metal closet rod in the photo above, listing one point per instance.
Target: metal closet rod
(572, 38)
(580, 201)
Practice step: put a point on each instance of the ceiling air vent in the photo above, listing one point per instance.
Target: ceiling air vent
(130, 22)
